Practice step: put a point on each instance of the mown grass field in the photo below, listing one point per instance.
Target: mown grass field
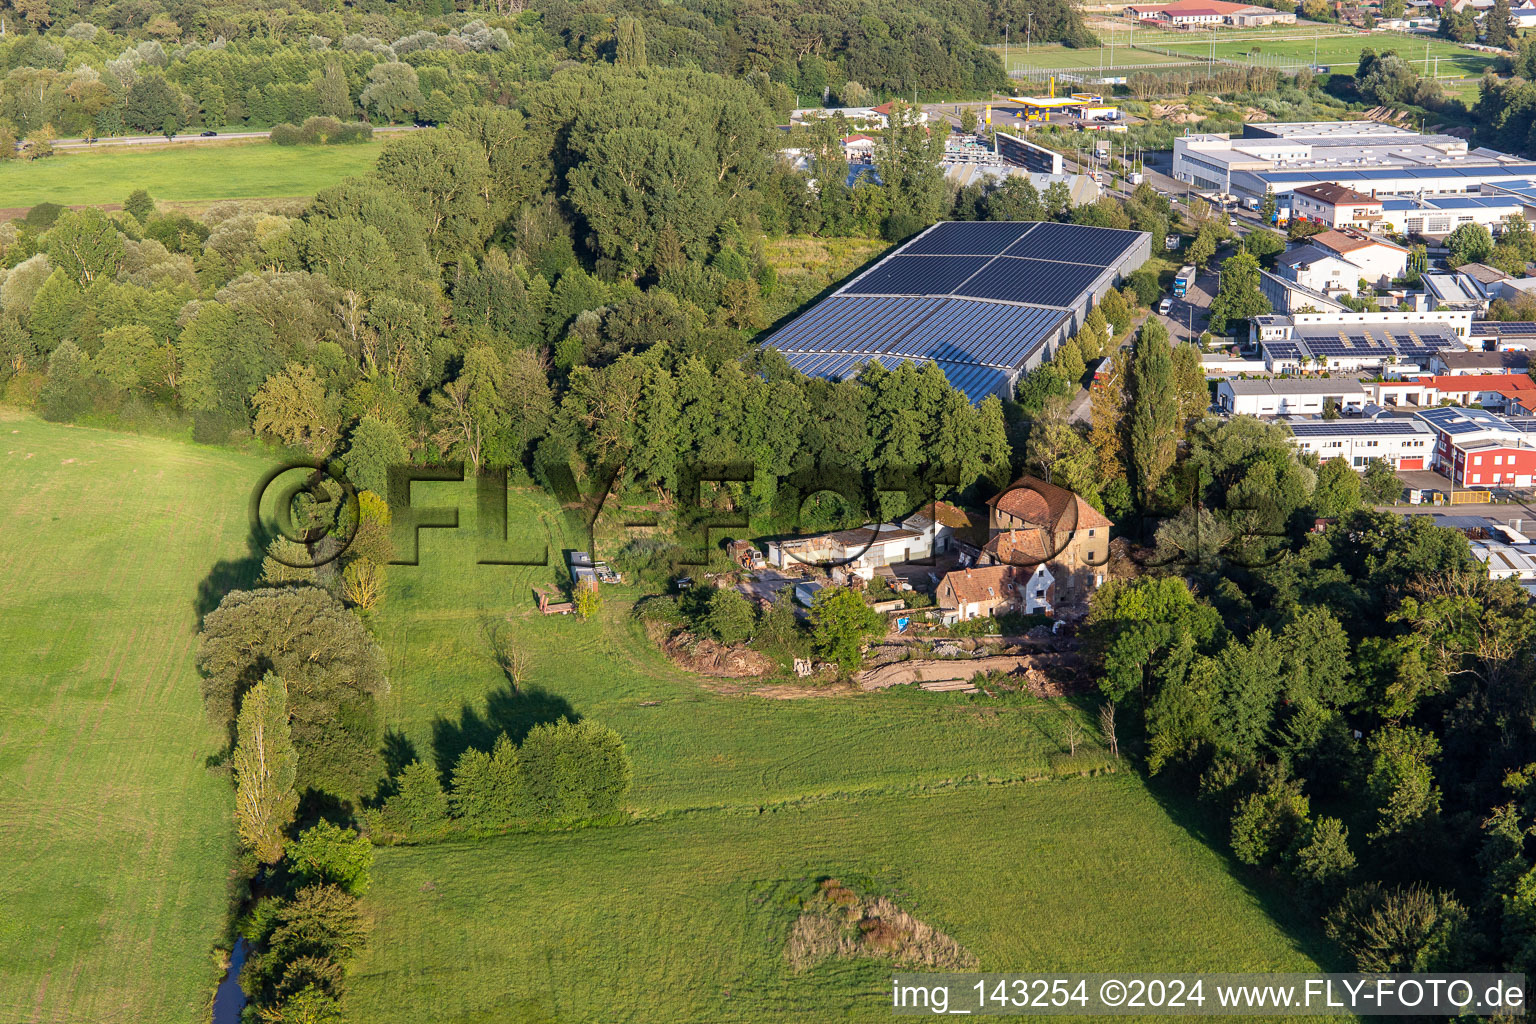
(736, 795)
(1055, 56)
(114, 837)
(181, 173)
(1285, 45)
(1342, 53)
(683, 920)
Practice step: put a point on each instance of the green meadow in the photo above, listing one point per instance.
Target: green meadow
(181, 172)
(944, 800)
(686, 919)
(1342, 53)
(115, 838)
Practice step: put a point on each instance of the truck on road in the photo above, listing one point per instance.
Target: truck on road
(1184, 281)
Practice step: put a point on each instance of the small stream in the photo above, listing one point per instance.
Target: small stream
(229, 1000)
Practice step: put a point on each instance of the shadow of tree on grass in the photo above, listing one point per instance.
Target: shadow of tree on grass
(505, 711)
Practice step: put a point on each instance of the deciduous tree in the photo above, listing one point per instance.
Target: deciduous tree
(265, 765)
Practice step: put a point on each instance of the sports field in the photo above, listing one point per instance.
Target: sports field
(114, 837)
(177, 173)
(1342, 53)
(1057, 57)
(1282, 45)
(739, 797)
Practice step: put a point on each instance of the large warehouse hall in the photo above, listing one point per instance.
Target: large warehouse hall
(985, 300)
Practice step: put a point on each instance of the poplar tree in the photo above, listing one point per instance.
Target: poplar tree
(1189, 383)
(266, 765)
(1154, 410)
(629, 47)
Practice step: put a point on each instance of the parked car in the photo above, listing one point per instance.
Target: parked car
(1165, 306)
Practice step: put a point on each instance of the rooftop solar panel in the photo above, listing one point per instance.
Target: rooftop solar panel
(976, 382)
(840, 321)
(1074, 243)
(990, 333)
(966, 238)
(1014, 279)
(950, 297)
(916, 275)
(1504, 327)
(1358, 427)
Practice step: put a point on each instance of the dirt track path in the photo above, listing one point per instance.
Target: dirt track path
(934, 670)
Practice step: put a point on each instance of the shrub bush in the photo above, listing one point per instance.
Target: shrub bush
(572, 771)
(328, 854)
(286, 135)
(352, 132)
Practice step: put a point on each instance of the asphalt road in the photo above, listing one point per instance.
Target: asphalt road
(193, 137)
(1190, 315)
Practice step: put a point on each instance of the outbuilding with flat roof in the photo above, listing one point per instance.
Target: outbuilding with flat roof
(1290, 396)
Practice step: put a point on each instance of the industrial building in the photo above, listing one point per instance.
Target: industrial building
(1494, 391)
(1331, 350)
(1290, 396)
(1436, 217)
(1335, 205)
(1403, 443)
(1504, 335)
(1450, 364)
(1318, 269)
(1478, 448)
(1368, 157)
(1380, 261)
(1390, 342)
(985, 300)
(1289, 296)
(1455, 291)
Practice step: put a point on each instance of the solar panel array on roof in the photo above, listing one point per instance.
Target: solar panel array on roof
(1490, 172)
(1461, 421)
(1067, 242)
(949, 296)
(1042, 282)
(991, 333)
(831, 324)
(1377, 340)
(1361, 427)
(975, 382)
(963, 238)
(1502, 327)
(918, 275)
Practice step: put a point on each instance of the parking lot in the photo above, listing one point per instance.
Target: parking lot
(1190, 315)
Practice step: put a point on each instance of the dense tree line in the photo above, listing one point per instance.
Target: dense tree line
(1354, 705)
(99, 69)
(562, 773)
(1351, 702)
(571, 283)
